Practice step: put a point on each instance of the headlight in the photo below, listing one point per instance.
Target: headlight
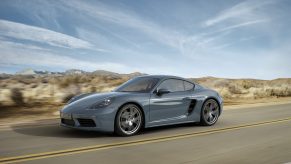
(105, 102)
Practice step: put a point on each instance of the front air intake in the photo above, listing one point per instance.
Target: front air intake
(84, 122)
(68, 122)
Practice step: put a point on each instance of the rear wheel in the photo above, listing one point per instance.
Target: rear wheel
(129, 120)
(209, 112)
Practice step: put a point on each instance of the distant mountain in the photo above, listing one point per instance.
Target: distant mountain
(113, 74)
(105, 73)
(5, 76)
(134, 74)
(74, 71)
(30, 71)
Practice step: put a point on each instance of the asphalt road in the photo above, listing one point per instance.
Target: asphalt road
(243, 135)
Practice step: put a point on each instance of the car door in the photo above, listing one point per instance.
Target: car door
(169, 107)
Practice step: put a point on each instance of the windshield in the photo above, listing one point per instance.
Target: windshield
(140, 84)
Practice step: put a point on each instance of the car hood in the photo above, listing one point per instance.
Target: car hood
(87, 101)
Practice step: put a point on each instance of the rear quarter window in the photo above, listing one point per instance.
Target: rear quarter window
(188, 86)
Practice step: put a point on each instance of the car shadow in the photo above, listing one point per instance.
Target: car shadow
(56, 130)
(168, 127)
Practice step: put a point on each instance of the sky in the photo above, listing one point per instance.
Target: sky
(188, 38)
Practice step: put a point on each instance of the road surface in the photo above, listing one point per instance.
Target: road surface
(242, 135)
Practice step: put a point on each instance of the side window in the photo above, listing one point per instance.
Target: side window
(172, 85)
(188, 86)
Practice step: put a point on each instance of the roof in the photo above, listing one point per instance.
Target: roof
(164, 77)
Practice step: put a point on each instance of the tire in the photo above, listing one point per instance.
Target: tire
(209, 112)
(129, 120)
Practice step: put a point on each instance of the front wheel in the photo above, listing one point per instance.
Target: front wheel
(129, 120)
(209, 112)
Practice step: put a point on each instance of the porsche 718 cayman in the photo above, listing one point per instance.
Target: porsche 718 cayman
(142, 102)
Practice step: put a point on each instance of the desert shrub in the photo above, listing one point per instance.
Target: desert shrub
(118, 82)
(288, 91)
(221, 84)
(93, 89)
(33, 85)
(224, 92)
(44, 81)
(68, 80)
(103, 79)
(234, 89)
(99, 88)
(67, 97)
(84, 79)
(279, 92)
(24, 79)
(3, 85)
(272, 92)
(247, 84)
(260, 93)
(16, 96)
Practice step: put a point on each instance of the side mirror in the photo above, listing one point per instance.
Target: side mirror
(160, 92)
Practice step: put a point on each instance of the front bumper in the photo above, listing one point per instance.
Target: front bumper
(90, 122)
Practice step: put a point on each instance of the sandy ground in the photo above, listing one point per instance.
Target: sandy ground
(29, 114)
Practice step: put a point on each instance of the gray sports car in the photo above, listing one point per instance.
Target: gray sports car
(143, 102)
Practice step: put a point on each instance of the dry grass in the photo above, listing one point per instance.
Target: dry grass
(19, 91)
(248, 88)
(28, 97)
(25, 90)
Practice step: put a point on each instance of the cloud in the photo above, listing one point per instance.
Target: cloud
(128, 19)
(185, 44)
(44, 36)
(224, 45)
(22, 54)
(248, 23)
(247, 10)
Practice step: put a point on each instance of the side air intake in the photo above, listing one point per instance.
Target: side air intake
(192, 106)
